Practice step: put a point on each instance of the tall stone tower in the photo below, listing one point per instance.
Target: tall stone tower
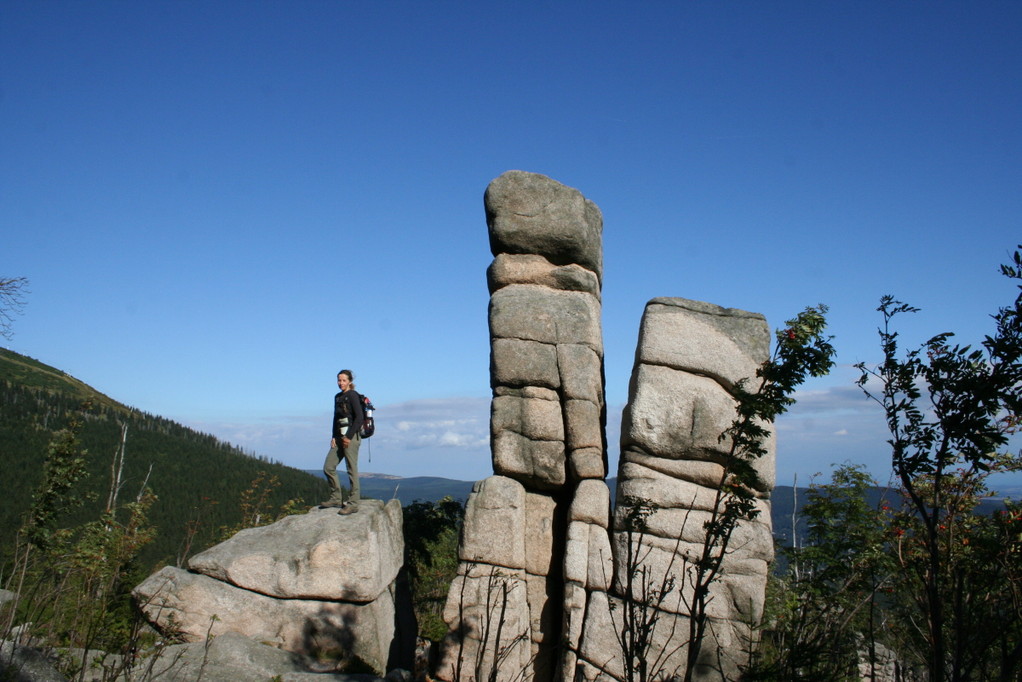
(689, 358)
(507, 607)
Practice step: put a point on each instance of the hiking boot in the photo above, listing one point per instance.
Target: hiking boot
(332, 503)
(348, 508)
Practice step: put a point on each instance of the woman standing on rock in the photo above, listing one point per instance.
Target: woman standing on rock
(345, 441)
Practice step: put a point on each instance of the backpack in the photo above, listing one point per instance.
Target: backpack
(368, 425)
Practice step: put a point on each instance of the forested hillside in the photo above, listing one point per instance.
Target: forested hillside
(201, 483)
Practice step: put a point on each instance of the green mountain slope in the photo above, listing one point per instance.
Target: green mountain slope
(30, 373)
(201, 483)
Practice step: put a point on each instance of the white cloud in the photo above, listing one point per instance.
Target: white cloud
(829, 426)
(454, 439)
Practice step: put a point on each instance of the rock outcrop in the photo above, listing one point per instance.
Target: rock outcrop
(552, 583)
(547, 572)
(690, 356)
(507, 608)
(316, 584)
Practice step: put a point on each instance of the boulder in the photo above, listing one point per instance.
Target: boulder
(313, 556)
(533, 418)
(534, 269)
(581, 370)
(588, 557)
(193, 607)
(518, 363)
(591, 503)
(724, 344)
(588, 463)
(540, 464)
(494, 527)
(583, 425)
(529, 213)
(674, 414)
(305, 584)
(536, 313)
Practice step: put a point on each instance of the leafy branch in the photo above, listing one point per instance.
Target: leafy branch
(950, 410)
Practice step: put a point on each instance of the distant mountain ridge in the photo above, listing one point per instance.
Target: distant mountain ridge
(785, 509)
(407, 490)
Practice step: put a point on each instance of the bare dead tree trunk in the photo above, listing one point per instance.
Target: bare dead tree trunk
(116, 470)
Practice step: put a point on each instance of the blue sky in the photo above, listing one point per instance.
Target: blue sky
(220, 204)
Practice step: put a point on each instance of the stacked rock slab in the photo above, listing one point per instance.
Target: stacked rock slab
(316, 584)
(689, 358)
(531, 530)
